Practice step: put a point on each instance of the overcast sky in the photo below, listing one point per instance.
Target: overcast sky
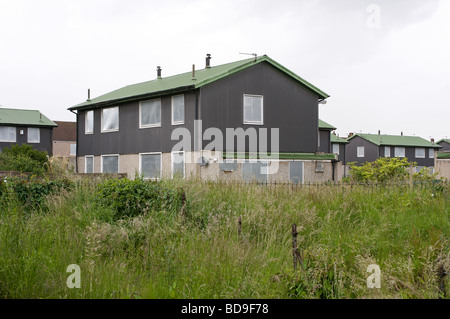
(385, 64)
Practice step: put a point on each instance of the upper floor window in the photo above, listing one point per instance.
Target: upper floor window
(253, 109)
(89, 122)
(420, 152)
(336, 149)
(399, 152)
(387, 151)
(360, 151)
(7, 134)
(177, 109)
(430, 153)
(110, 119)
(33, 135)
(150, 113)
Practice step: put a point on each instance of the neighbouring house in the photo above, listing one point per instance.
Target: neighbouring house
(138, 129)
(442, 164)
(363, 148)
(444, 144)
(65, 141)
(338, 147)
(324, 142)
(31, 127)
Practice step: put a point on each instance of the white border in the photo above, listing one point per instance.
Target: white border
(184, 161)
(85, 120)
(160, 114)
(184, 109)
(106, 155)
(262, 110)
(85, 164)
(118, 119)
(160, 165)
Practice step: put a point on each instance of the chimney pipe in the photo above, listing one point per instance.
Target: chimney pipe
(158, 72)
(89, 95)
(379, 132)
(432, 140)
(208, 59)
(402, 133)
(193, 71)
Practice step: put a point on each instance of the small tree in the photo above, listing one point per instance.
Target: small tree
(384, 169)
(23, 158)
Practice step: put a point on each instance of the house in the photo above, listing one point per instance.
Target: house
(325, 130)
(19, 126)
(64, 141)
(369, 147)
(268, 109)
(445, 144)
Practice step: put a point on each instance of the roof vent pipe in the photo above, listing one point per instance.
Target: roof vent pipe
(379, 132)
(193, 71)
(208, 61)
(158, 72)
(89, 95)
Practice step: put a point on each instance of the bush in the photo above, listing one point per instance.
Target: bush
(23, 158)
(382, 170)
(133, 197)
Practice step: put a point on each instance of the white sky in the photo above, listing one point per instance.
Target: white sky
(393, 78)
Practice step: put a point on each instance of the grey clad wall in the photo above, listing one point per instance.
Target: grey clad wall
(371, 151)
(46, 139)
(287, 106)
(130, 139)
(325, 144)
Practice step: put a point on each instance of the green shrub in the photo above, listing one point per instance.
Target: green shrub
(384, 169)
(23, 158)
(133, 197)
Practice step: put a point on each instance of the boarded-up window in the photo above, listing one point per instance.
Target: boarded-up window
(296, 172)
(430, 153)
(110, 119)
(89, 164)
(150, 165)
(150, 113)
(420, 152)
(110, 164)
(254, 172)
(33, 135)
(336, 149)
(387, 151)
(7, 134)
(73, 149)
(178, 109)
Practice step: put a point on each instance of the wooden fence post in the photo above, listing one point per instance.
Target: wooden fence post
(295, 250)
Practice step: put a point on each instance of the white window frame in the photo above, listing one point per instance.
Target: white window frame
(110, 155)
(431, 153)
(85, 163)
(397, 151)
(184, 162)
(337, 146)
(15, 134)
(118, 119)
(360, 154)
(387, 151)
(417, 149)
(39, 135)
(262, 110)
(160, 165)
(85, 122)
(70, 149)
(184, 109)
(140, 115)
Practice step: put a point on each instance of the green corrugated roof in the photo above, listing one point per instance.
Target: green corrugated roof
(443, 155)
(24, 117)
(325, 125)
(446, 140)
(336, 139)
(395, 140)
(285, 156)
(184, 81)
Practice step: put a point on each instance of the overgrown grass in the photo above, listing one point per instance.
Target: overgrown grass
(198, 252)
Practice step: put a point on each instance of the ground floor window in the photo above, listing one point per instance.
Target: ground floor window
(254, 172)
(110, 164)
(296, 172)
(150, 165)
(89, 164)
(178, 169)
